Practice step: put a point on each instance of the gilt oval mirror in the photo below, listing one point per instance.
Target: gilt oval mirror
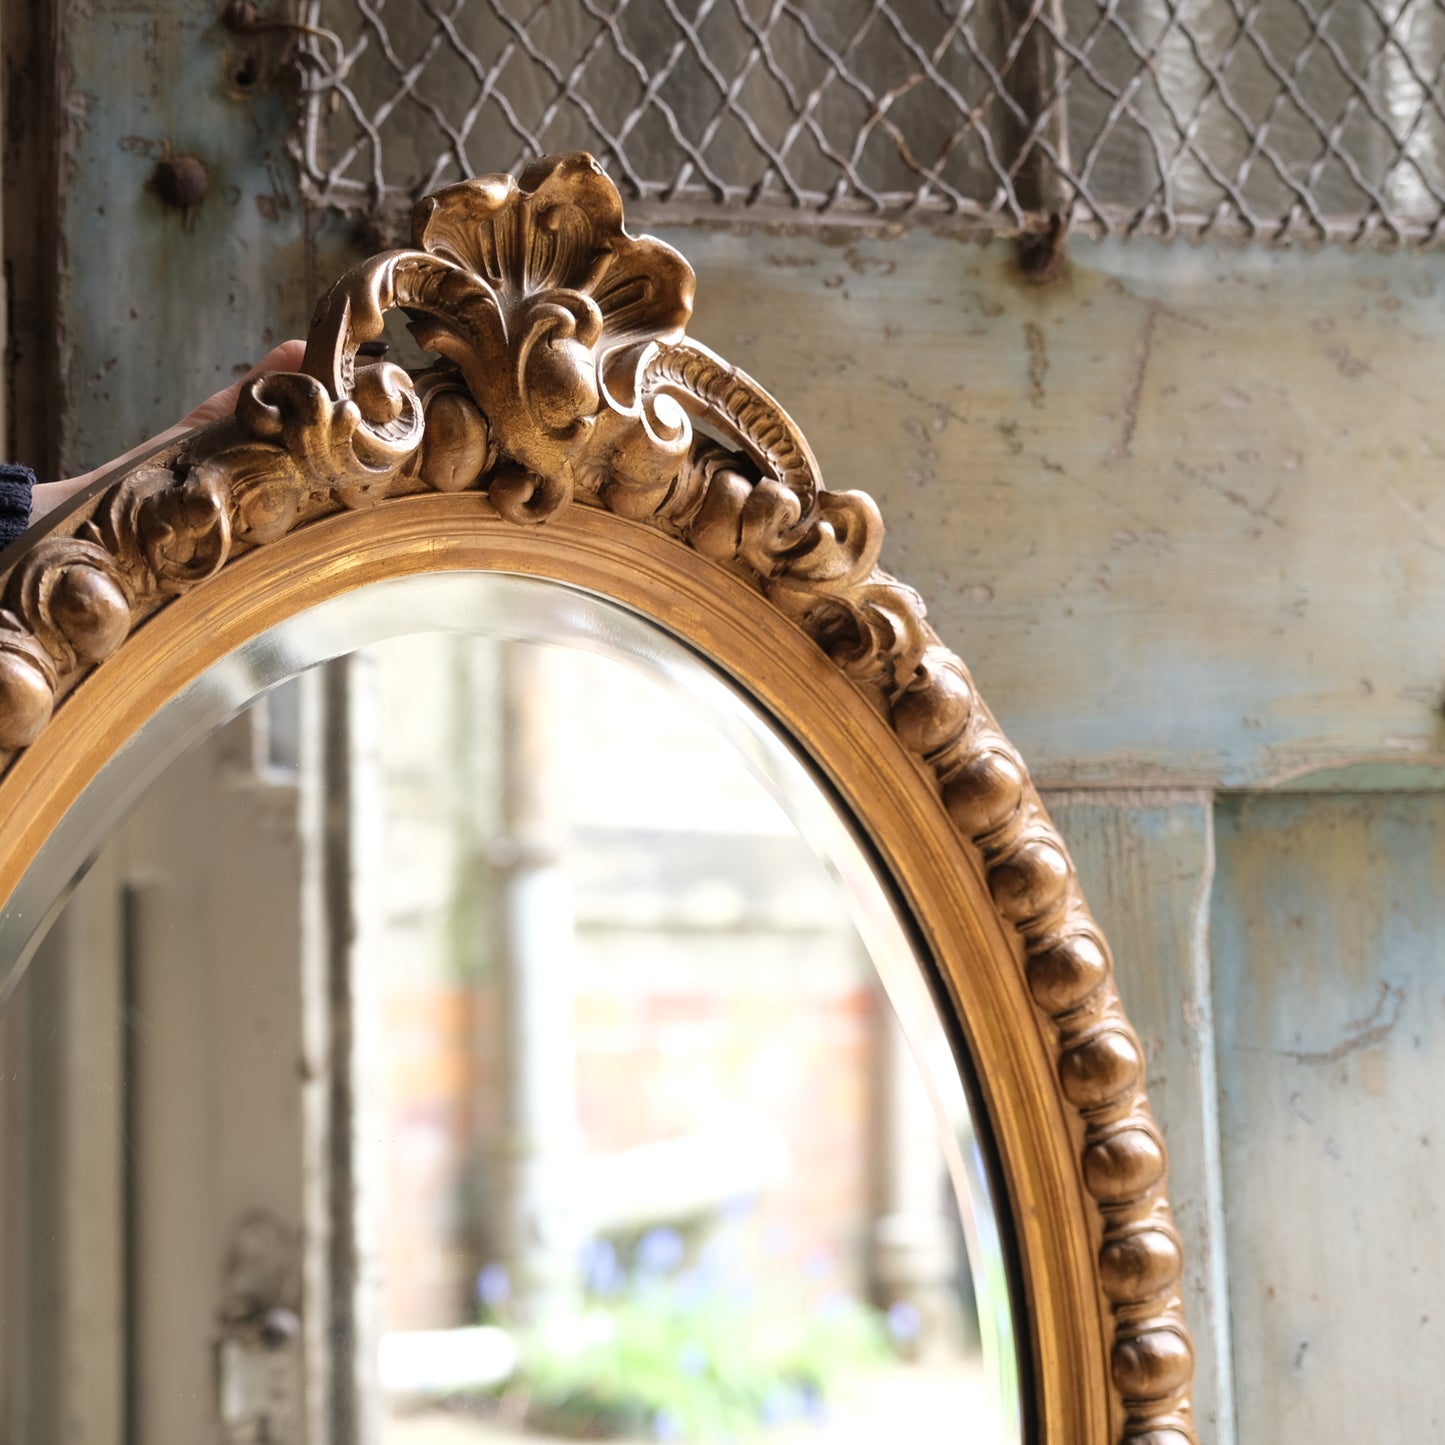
(573, 444)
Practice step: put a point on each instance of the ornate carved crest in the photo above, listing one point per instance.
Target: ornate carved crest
(567, 379)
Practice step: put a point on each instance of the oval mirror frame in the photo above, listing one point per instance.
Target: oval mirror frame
(561, 437)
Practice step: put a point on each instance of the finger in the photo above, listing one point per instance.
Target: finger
(286, 357)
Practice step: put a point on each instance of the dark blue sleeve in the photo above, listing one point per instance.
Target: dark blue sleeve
(16, 484)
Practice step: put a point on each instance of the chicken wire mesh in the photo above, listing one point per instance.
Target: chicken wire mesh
(1277, 120)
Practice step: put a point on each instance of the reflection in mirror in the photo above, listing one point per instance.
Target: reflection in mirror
(462, 1045)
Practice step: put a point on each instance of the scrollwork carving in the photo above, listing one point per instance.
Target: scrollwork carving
(566, 379)
(165, 533)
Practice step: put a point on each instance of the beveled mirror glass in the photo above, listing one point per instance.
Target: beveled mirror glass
(706, 1074)
(573, 434)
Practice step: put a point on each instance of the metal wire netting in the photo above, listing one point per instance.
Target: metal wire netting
(1279, 120)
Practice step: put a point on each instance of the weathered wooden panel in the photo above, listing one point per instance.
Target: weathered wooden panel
(1180, 510)
(1328, 936)
(1146, 861)
(160, 306)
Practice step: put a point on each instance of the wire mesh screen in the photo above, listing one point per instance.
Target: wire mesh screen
(1279, 120)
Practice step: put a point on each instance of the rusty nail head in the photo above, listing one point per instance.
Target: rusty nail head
(180, 181)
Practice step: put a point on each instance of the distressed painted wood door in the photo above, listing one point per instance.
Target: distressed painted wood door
(1180, 510)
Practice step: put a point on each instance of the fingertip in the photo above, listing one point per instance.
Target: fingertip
(285, 357)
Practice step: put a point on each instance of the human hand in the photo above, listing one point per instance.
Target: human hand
(286, 357)
(49, 495)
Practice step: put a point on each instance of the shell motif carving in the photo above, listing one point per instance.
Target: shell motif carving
(566, 378)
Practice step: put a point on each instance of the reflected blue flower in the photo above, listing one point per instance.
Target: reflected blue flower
(602, 1272)
(692, 1288)
(783, 1404)
(494, 1287)
(815, 1407)
(660, 1251)
(666, 1426)
(904, 1321)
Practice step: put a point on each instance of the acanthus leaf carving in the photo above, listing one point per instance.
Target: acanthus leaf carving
(303, 443)
(550, 311)
(169, 533)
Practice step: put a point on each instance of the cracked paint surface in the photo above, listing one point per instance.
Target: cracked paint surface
(1206, 476)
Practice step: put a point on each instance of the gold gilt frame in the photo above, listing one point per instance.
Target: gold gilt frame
(567, 396)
